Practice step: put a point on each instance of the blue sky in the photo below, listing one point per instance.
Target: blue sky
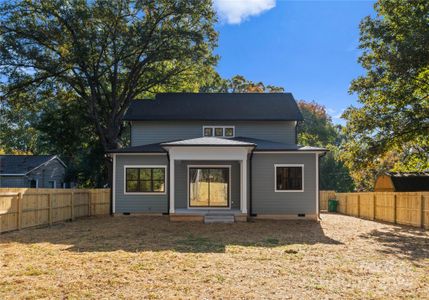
(308, 47)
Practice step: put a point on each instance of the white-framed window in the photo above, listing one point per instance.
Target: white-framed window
(288, 178)
(145, 179)
(219, 131)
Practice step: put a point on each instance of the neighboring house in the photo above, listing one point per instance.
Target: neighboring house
(31, 171)
(197, 154)
(402, 182)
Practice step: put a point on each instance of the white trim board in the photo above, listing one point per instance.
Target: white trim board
(147, 153)
(317, 185)
(145, 166)
(47, 162)
(208, 153)
(188, 183)
(288, 165)
(286, 152)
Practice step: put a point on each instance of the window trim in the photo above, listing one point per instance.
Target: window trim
(288, 165)
(209, 207)
(213, 127)
(147, 167)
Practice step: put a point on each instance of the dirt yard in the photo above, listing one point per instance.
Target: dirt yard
(149, 257)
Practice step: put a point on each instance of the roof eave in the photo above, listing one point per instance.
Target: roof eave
(214, 119)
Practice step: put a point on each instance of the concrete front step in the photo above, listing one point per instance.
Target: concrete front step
(218, 219)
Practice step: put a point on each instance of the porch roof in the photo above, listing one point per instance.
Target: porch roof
(210, 142)
(266, 145)
(259, 145)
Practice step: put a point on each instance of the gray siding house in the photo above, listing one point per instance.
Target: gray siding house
(198, 156)
(31, 171)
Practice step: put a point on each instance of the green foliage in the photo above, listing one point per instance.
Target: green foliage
(390, 128)
(318, 130)
(238, 84)
(107, 53)
(71, 68)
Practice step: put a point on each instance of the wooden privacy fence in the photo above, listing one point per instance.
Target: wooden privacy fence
(324, 197)
(407, 208)
(23, 208)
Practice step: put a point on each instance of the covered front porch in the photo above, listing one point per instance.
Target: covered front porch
(208, 179)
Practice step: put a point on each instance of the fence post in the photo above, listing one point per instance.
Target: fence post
(19, 215)
(374, 200)
(72, 206)
(90, 203)
(50, 209)
(358, 204)
(422, 210)
(345, 204)
(394, 208)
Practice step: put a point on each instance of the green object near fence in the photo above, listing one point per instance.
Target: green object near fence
(332, 205)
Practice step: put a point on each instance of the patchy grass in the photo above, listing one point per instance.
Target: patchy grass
(149, 257)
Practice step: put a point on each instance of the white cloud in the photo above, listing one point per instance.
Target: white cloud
(236, 11)
(336, 115)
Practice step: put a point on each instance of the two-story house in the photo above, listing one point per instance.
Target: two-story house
(219, 155)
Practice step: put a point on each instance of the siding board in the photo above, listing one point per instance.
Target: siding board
(138, 203)
(267, 201)
(148, 132)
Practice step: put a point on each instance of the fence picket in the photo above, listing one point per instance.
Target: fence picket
(408, 208)
(22, 207)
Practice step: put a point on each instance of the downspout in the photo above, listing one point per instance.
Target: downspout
(111, 183)
(318, 188)
(168, 190)
(250, 184)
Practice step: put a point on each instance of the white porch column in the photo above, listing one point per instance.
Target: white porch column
(171, 185)
(243, 179)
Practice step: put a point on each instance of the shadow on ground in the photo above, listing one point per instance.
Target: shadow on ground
(402, 241)
(137, 233)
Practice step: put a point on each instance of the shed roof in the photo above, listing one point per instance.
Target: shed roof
(216, 107)
(410, 182)
(22, 164)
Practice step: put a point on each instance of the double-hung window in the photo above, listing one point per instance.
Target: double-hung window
(289, 178)
(145, 179)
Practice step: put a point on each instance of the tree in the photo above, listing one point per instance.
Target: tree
(318, 130)
(390, 128)
(107, 53)
(238, 84)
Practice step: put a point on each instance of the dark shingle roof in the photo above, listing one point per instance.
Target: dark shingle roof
(150, 148)
(265, 145)
(258, 144)
(21, 164)
(410, 182)
(216, 107)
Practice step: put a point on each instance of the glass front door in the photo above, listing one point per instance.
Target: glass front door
(208, 187)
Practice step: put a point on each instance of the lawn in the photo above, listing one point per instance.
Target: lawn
(149, 257)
